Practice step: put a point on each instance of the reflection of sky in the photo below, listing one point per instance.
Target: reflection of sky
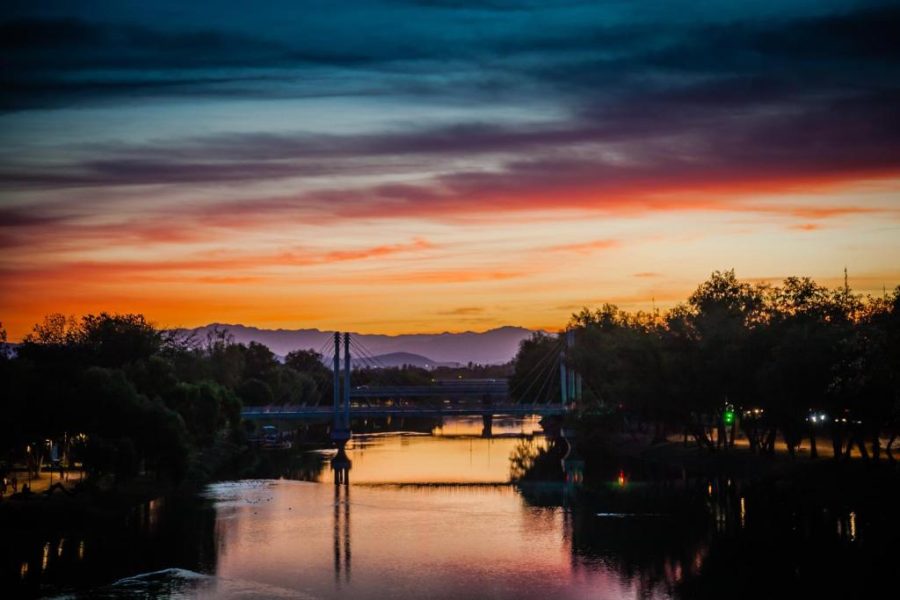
(417, 458)
(472, 426)
(286, 166)
(405, 543)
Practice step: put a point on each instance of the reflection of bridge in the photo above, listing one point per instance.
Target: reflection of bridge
(485, 398)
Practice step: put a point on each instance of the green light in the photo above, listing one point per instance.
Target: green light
(728, 417)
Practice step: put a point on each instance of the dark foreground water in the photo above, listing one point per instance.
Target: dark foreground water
(434, 516)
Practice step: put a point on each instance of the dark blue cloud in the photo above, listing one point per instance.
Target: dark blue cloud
(810, 90)
(466, 49)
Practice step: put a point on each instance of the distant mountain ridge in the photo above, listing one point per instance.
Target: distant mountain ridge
(489, 347)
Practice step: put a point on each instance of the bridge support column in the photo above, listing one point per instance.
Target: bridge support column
(487, 429)
(570, 382)
(563, 380)
(340, 427)
(570, 344)
(347, 381)
(337, 377)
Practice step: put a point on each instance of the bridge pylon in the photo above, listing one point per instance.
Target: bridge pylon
(570, 383)
(340, 427)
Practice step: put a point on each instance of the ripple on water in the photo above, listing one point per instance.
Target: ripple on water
(181, 583)
(251, 491)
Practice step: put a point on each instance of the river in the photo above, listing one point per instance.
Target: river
(426, 515)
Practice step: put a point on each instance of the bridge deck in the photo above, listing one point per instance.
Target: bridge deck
(323, 413)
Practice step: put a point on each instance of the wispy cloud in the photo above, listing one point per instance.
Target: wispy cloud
(586, 247)
(189, 147)
(463, 311)
(806, 226)
(205, 266)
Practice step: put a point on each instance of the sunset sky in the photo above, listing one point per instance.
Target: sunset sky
(405, 166)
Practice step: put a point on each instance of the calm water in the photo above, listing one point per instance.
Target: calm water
(425, 516)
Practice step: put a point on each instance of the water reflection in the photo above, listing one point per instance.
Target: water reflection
(454, 515)
(434, 516)
(341, 532)
(340, 465)
(47, 552)
(455, 452)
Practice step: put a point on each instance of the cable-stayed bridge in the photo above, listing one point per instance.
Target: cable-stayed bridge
(533, 394)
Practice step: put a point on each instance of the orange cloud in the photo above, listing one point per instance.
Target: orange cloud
(462, 311)
(806, 226)
(46, 270)
(451, 276)
(377, 251)
(586, 247)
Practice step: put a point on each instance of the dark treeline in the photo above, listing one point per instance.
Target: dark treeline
(795, 361)
(120, 397)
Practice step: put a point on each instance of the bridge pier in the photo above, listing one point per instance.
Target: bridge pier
(487, 429)
(341, 465)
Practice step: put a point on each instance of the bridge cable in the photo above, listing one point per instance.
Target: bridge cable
(364, 352)
(538, 367)
(364, 355)
(540, 363)
(547, 367)
(544, 386)
(388, 372)
(326, 346)
(362, 359)
(391, 376)
(548, 376)
(370, 361)
(326, 350)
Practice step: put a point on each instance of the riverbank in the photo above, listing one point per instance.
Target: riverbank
(820, 479)
(79, 504)
(42, 481)
(79, 500)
